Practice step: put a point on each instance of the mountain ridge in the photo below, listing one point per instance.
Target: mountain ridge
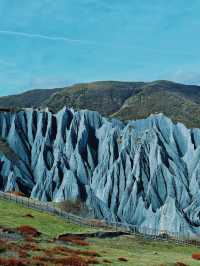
(31, 98)
(123, 100)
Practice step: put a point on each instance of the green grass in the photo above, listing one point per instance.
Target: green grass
(142, 253)
(135, 249)
(13, 215)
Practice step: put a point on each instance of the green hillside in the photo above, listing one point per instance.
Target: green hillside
(33, 98)
(105, 97)
(46, 250)
(123, 100)
(172, 104)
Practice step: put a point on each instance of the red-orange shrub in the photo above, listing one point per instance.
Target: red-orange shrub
(29, 238)
(28, 231)
(17, 193)
(23, 253)
(30, 246)
(80, 242)
(2, 242)
(196, 256)
(37, 262)
(41, 258)
(75, 240)
(70, 260)
(13, 262)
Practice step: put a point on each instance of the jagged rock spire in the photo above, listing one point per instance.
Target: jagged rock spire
(145, 173)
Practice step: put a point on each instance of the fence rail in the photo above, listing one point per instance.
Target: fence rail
(146, 233)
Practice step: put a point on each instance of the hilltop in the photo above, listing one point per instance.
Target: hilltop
(123, 100)
(32, 98)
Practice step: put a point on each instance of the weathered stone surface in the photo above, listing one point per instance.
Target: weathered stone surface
(145, 173)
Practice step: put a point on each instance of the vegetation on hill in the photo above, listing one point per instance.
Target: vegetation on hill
(15, 215)
(123, 100)
(105, 97)
(171, 104)
(133, 100)
(33, 98)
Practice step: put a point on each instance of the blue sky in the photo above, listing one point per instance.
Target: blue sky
(45, 43)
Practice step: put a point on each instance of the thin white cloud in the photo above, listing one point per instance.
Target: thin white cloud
(60, 38)
(6, 63)
(69, 40)
(183, 76)
(188, 77)
(45, 37)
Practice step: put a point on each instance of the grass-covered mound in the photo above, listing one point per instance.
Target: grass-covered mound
(15, 215)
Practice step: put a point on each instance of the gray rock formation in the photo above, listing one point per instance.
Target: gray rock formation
(145, 173)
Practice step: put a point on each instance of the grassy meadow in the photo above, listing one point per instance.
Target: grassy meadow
(47, 249)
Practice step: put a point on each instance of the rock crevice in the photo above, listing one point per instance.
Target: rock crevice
(145, 172)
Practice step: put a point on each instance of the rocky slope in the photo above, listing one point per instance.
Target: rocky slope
(145, 173)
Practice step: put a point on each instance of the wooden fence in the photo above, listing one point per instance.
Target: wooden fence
(144, 232)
